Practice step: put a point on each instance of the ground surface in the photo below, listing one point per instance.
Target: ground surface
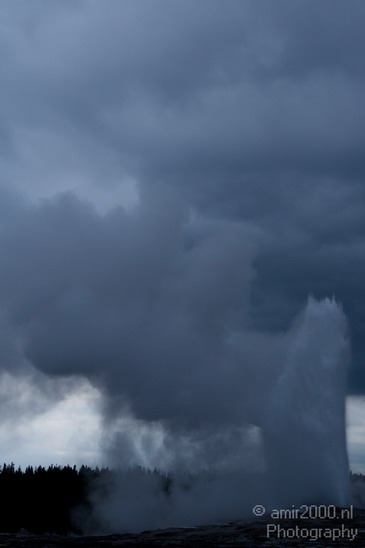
(340, 531)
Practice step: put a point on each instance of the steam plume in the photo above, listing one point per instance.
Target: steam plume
(305, 426)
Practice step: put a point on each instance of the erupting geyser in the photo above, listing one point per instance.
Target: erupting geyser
(304, 430)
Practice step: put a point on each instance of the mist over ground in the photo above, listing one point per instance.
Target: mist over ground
(176, 180)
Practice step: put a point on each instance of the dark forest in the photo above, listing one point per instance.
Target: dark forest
(56, 499)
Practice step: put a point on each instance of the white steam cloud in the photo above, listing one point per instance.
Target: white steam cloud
(301, 458)
(305, 426)
(152, 306)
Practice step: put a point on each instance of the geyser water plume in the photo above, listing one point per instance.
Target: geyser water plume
(302, 433)
(304, 430)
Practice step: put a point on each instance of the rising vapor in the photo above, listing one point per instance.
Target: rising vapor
(152, 306)
(303, 452)
(305, 426)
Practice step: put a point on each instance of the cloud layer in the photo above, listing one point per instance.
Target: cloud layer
(175, 180)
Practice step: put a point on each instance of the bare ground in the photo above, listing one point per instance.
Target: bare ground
(257, 532)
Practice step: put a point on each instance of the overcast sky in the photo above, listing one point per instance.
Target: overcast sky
(173, 174)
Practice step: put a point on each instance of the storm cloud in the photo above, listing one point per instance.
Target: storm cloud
(176, 178)
(156, 295)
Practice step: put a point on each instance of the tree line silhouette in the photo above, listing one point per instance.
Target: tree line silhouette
(43, 499)
(59, 499)
(56, 499)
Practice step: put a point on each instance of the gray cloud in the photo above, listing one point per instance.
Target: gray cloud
(153, 293)
(242, 128)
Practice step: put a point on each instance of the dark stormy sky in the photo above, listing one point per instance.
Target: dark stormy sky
(175, 175)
